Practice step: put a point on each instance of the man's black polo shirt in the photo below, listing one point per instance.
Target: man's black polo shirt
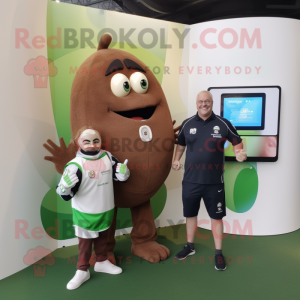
(205, 141)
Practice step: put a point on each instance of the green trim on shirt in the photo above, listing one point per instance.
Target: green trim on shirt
(74, 163)
(93, 222)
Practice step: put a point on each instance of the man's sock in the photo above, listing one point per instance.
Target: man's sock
(191, 245)
(218, 251)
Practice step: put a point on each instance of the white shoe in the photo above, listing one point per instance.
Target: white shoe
(79, 278)
(107, 267)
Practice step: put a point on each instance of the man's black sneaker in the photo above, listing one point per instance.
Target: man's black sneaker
(186, 251)
(220, 262)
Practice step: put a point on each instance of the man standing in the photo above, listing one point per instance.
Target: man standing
(204, 136)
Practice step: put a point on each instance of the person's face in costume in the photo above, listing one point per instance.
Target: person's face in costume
(89, 141)
(204, 105)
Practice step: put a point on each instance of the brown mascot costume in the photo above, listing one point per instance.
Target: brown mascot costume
(115, 93)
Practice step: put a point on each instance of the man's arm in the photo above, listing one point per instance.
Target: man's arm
(236, 141)
(239, 152)
(179, 148)
(178, 153)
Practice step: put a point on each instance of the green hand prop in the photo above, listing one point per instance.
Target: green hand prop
(123, 167)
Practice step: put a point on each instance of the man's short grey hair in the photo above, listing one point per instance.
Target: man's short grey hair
(207, 92)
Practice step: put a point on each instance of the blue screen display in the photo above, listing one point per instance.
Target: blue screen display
(244, 111)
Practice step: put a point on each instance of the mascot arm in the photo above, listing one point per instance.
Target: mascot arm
(61, 154)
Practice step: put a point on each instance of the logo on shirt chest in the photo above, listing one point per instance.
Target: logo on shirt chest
(193, 130)
(216, 133)
(94, 167)
(92, 174)
(216, 129)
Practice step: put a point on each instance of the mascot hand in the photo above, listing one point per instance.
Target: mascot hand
(176, 132)
(122, 172)
(68, 180)
(61, 154)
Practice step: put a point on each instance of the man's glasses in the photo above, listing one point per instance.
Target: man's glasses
(203, 102)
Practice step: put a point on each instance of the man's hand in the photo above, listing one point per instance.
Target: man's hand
(122, 172)
(68, 180)
(176, 165)
(240, 155)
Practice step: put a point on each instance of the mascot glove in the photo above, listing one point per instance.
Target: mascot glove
(122, 172)
(68, 180)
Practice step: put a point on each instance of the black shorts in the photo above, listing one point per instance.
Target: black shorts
(212, 194)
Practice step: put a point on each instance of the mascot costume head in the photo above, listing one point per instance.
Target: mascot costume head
(115, 93)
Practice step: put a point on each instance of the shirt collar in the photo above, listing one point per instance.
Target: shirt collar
(89, 156)
(212, 116)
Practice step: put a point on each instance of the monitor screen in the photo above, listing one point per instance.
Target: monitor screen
(244, 111)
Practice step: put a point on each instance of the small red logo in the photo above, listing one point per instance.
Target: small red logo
(39, 258)
(40, 68)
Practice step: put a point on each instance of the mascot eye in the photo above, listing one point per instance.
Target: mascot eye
(126, 86)
(139, 82)
(45, 68)
(120, 85)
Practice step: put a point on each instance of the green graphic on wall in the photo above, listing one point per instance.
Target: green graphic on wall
(241, 185)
